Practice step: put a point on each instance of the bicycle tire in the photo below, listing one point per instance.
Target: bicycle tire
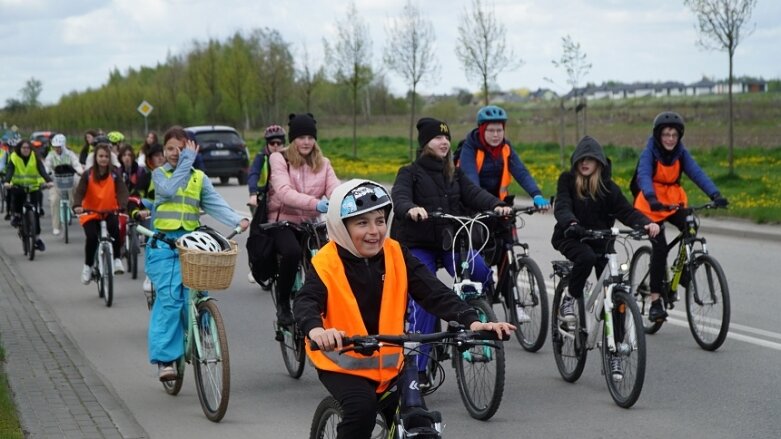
(528, 290)
(107, 274)
(708, 314)
(212, 364)
(570, 356)
(174, 386)
(291, 342)
(135, 249)
(64, 220)
(626, 391)
(29, 225)
(327, 417)
(480, 371)
(639, 284)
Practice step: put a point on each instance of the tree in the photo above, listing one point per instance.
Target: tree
(410, 53)
(720, 24)
(309, 78)
(350, 59)
(573, 61)
(237, 78)
(30, 93)
(481, 46)
(275, 71)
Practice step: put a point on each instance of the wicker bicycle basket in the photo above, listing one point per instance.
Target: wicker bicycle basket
(205, 270)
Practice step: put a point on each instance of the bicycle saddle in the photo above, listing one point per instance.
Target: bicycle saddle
(421, 422)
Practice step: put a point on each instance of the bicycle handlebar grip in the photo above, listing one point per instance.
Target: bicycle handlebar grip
(491, 336)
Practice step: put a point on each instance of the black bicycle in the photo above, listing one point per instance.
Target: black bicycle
(707, 292)
(410, 420)
(312, 236)
(28, 226)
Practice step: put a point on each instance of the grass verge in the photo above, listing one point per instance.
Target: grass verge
(9, 422)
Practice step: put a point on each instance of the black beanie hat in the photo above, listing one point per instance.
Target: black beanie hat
(428, 128)
(301, 125)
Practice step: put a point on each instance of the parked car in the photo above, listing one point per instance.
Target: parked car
(223, 151)
(41, 140)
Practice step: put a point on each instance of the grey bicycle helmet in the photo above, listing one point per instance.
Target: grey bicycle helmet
(365, 198)
(668, 119)
(491, 113)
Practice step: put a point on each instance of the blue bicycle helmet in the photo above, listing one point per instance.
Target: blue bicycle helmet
(491, 113)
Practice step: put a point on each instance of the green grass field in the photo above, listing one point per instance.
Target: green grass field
(9, 423)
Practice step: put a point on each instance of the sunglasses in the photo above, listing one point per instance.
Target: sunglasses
(275, 143)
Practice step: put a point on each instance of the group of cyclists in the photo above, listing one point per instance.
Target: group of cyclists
(369, 278)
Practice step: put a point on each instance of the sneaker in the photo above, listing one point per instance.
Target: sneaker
(616, 369)
(147, 285)
(166, 371)
(284, 318)
(41, 213)
(521, 315)
(119, 268)
(657, 312)
(86, 274)
(16, 221)
(567, 310)
(250, 279)
(423, 382)
(7, 216)
(39, 245)
(56, 232)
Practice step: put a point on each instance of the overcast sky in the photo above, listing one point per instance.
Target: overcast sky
(73, 44)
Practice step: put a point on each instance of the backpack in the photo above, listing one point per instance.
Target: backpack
(457, 152)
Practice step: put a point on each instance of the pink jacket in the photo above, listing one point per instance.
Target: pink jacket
(294, 192)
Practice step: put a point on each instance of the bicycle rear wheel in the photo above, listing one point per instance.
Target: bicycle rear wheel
(569, 344)
(640, 289)
(107, 273)
(291, 341)
(480, 371)
(135, 249)
(29, 226)
(212, 363)
(173, 387)
(327, 417)
(707, 303)
(65, 219)
(630, 347)
(528, 293)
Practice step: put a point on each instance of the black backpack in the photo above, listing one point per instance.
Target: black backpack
(457, 152)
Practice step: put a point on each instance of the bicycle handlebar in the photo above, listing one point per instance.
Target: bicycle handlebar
(614, 232)
(709, 205)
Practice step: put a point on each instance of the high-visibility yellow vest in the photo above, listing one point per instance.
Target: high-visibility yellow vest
(26, 175)
(183, 211)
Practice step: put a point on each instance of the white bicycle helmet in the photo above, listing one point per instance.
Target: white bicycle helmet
(58, 141)
(200, 241)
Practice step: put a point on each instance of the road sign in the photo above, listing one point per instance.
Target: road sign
(145, 108)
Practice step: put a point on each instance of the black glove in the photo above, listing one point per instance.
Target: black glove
(655, 205)
(718, 200)
(574, 231)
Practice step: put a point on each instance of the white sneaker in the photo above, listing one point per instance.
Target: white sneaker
(147, 285)
(250, 279)
(86, 274)
(119, 268)
(520, 313)
(56, 232)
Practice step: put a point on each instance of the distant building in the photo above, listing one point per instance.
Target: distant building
(617, 90)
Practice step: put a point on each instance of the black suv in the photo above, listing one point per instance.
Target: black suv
(223, 151)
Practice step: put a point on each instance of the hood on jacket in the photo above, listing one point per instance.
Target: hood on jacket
(588, 147)
(337, 231)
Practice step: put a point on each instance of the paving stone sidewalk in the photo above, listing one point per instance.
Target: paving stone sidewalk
(57, 392)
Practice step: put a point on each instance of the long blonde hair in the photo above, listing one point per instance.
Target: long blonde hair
(314, 159)
(591, 186)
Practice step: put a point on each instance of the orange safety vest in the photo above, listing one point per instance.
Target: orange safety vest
(343, 314)
(100, 195)
(507, 178)
(668, 190)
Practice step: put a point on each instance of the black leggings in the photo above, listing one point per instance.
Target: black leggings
(659, 251)
(92, 232)
(289, 249)
(585, 256)
(359, 401)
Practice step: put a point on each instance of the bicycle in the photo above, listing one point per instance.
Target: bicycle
(64, 183)
(28, 226)
(479, 370)
(131, 247)
(520, 286)
(205, 339)
(312, 236)
(103, 263)
(411, 418)
(707, 292)
(607, 317)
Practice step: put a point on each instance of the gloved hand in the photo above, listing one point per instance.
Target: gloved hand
(655, 204)
(719, 200)
(322, 206)
(574, 231)
(541, 202)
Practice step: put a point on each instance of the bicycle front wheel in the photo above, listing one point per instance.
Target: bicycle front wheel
(327, 417)
(528, 296)
(65, 219)
(640, 287)
(569, 343)
(211, 362)
(135, 249)
(173, 387)
(29, 225)
(107, 273)
(480, 371)
(293, 351)
(625, 388)
(707, 303)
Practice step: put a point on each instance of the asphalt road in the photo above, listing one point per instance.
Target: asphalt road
(688, 392)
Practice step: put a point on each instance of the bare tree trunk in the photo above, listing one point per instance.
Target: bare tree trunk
(412, 124)
(485, 90)
(731, 122)
(355, 121)
(561, 133)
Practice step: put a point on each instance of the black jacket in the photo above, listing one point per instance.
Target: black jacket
(423, 184)
(366, 281)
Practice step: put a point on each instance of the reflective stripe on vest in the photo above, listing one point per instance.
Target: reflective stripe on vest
(504, 184)
(343, 313)
(183, 211)
(26, 174)
(666, 181)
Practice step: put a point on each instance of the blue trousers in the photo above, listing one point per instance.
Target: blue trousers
(168, 318)
(420, 320)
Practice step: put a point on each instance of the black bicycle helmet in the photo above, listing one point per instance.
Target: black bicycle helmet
(668, 119)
